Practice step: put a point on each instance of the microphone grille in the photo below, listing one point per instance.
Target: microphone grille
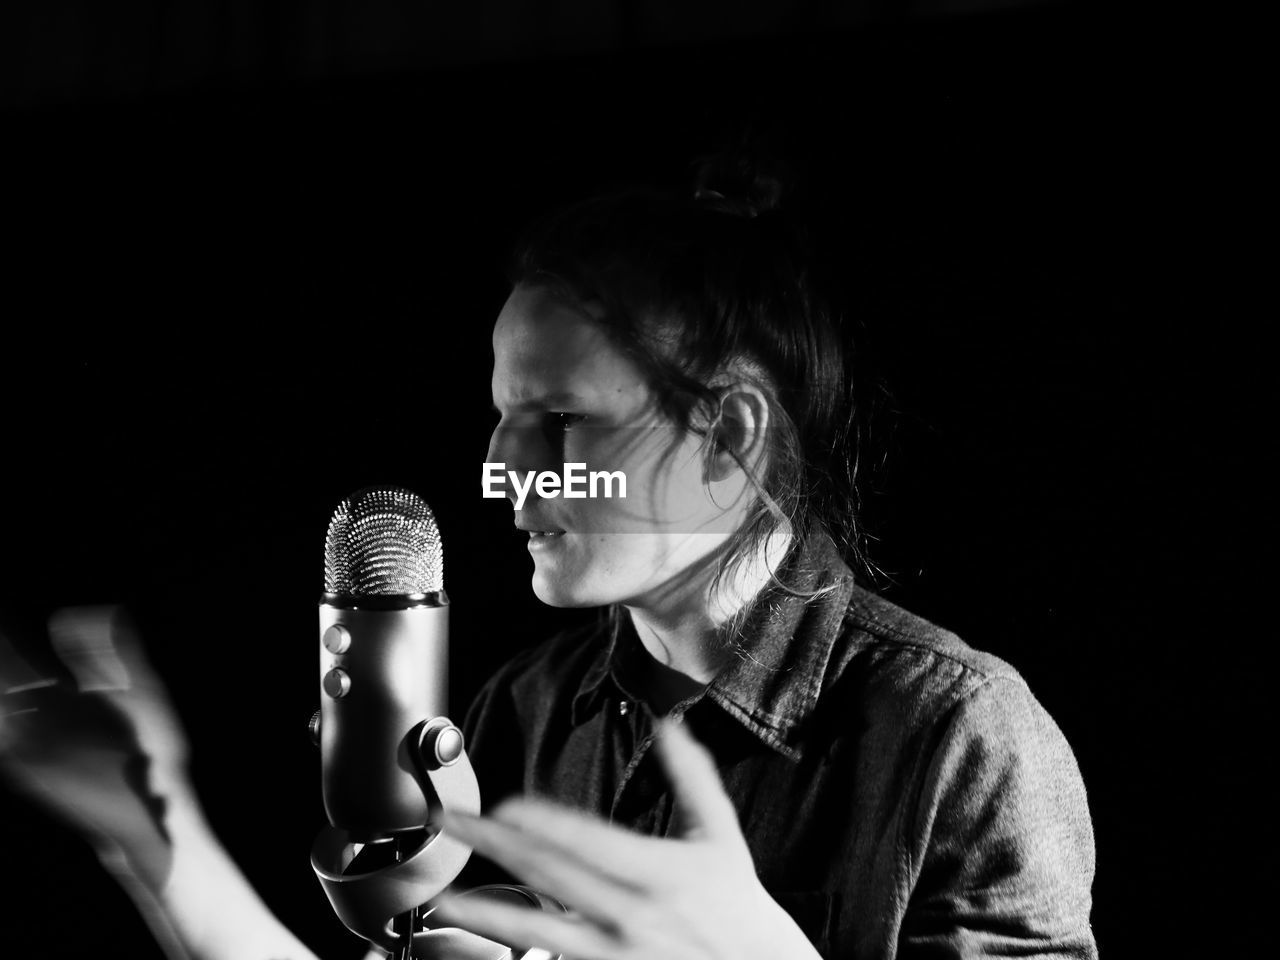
(383, 541)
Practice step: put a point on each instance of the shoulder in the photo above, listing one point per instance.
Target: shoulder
(911, 643)
(922, 688)
(916, 669)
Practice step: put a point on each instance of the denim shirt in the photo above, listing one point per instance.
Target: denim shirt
(902, 794)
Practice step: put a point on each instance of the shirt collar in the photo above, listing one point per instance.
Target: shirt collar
(773, 683)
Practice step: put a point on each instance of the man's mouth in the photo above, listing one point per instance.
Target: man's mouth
(535, 530)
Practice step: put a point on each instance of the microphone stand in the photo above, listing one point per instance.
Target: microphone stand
(382, 902)
(405, 925)
(379, 901)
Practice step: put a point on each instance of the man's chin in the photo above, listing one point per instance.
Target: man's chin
(563, 595)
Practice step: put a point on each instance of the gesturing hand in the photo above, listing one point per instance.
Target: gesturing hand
(106, 753)
(695, 897)
(103, 751)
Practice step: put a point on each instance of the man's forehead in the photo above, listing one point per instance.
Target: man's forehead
(544, 309)
(539, 334)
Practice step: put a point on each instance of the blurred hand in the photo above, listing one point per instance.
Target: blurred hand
(692, 898)
(107, 754)
(103, 751)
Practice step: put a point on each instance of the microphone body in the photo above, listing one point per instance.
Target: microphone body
(383, 670)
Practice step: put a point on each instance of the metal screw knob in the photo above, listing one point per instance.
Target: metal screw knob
(448, 745)
(441, 745)
(337, 683)
(336, 639)
(313, 728)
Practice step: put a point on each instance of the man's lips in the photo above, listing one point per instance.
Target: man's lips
(540, 539)
(538, 530)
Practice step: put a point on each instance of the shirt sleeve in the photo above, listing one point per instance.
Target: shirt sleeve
(1001, 845)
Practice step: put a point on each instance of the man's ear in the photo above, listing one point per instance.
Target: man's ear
(738, 433)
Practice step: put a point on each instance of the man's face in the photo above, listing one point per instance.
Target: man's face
(566, 394)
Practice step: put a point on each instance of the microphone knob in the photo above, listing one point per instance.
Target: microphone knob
(337, 683)
(448, 745)
(337, 639)
(441, 745)
(313, 728)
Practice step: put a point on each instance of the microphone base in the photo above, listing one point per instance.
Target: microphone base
(452, 943)
(367, 901)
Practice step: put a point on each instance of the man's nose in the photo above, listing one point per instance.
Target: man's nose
(522, 450)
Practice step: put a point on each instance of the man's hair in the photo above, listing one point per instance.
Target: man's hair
(713, 281)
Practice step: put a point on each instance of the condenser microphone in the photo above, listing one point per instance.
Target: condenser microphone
(384, 620)
(390, 756)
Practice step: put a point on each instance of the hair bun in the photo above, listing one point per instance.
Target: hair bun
(739, 184)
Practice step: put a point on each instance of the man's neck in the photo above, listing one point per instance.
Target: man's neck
(683, 632)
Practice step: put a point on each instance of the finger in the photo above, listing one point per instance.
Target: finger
(547, 867)
(82, 639)
(628, 857)
(524, 927)
(104, 654)
(18, 679)
(704, 807)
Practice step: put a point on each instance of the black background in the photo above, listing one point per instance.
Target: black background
(235, 302)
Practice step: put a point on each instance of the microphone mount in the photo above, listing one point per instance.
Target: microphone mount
(369, 889)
